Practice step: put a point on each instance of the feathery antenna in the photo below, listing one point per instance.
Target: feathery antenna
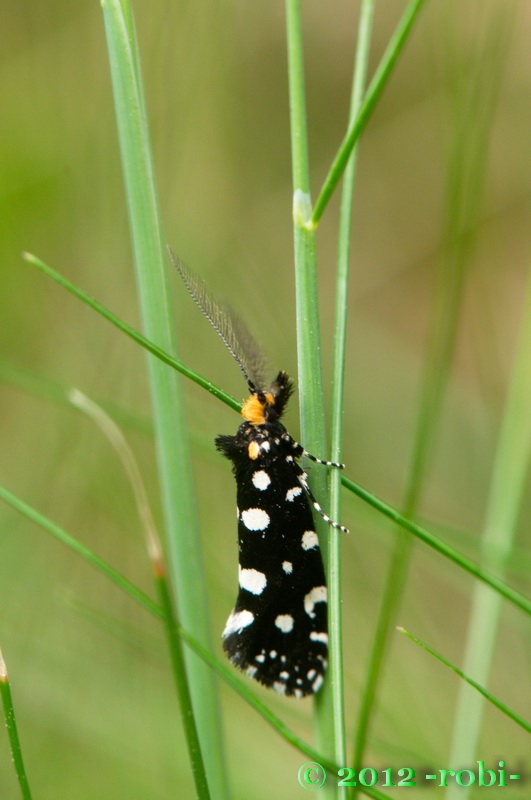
(233, 332)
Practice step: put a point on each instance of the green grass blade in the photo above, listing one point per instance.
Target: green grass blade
(12, 731)
(308, 333)
(506, 495)
(338, 381)
(240, 687)
(181, 684)
(307, 309)
(116, 438)
(374, 92)
(171, 431)
(137, 337)
(231, 678)
(518, 599)
(475, 685)
(467, 165)
(65, 538)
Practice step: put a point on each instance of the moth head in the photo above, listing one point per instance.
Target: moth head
(269, 405)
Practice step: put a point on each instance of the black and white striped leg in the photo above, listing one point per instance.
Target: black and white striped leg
(299, 451)
(302, 477)
(320, 460)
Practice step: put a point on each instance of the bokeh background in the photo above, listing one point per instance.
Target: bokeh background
(89, 670)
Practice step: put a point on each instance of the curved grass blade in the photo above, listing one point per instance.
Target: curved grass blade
(487, 695)
(38, 385)
(116, 438)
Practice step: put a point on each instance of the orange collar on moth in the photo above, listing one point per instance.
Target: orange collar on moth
(254, 408)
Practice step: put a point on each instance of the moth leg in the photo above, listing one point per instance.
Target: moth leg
(303, 480)
(320, 460)
(298, 451)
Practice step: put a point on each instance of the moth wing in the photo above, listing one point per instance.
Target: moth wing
(277, 631)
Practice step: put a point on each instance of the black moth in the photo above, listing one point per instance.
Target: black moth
(277, 632)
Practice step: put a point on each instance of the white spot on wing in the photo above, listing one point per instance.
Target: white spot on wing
(252, 580)
(260, 658)
(237, 621)
(284, 675)
(287, 566)
(261, 480)
(316, 636)
(318, 682)
(255, 519)
(279, 687)
(311, 674)
(317, 595)
(309, 540)
(293, 493)
(284, 622)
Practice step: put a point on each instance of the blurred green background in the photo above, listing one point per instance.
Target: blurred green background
(89, 670)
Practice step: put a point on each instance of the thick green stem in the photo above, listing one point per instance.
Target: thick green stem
(170, 425)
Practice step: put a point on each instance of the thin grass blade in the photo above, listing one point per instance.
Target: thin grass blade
(170, 424)
(308, 332)
(136, 336)
(374, 92)
(467, 165)
(471, 682)
(338, 381)
(507, 493)
(512, 595)
(12, 731)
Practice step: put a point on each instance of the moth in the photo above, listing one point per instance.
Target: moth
(277, 632)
